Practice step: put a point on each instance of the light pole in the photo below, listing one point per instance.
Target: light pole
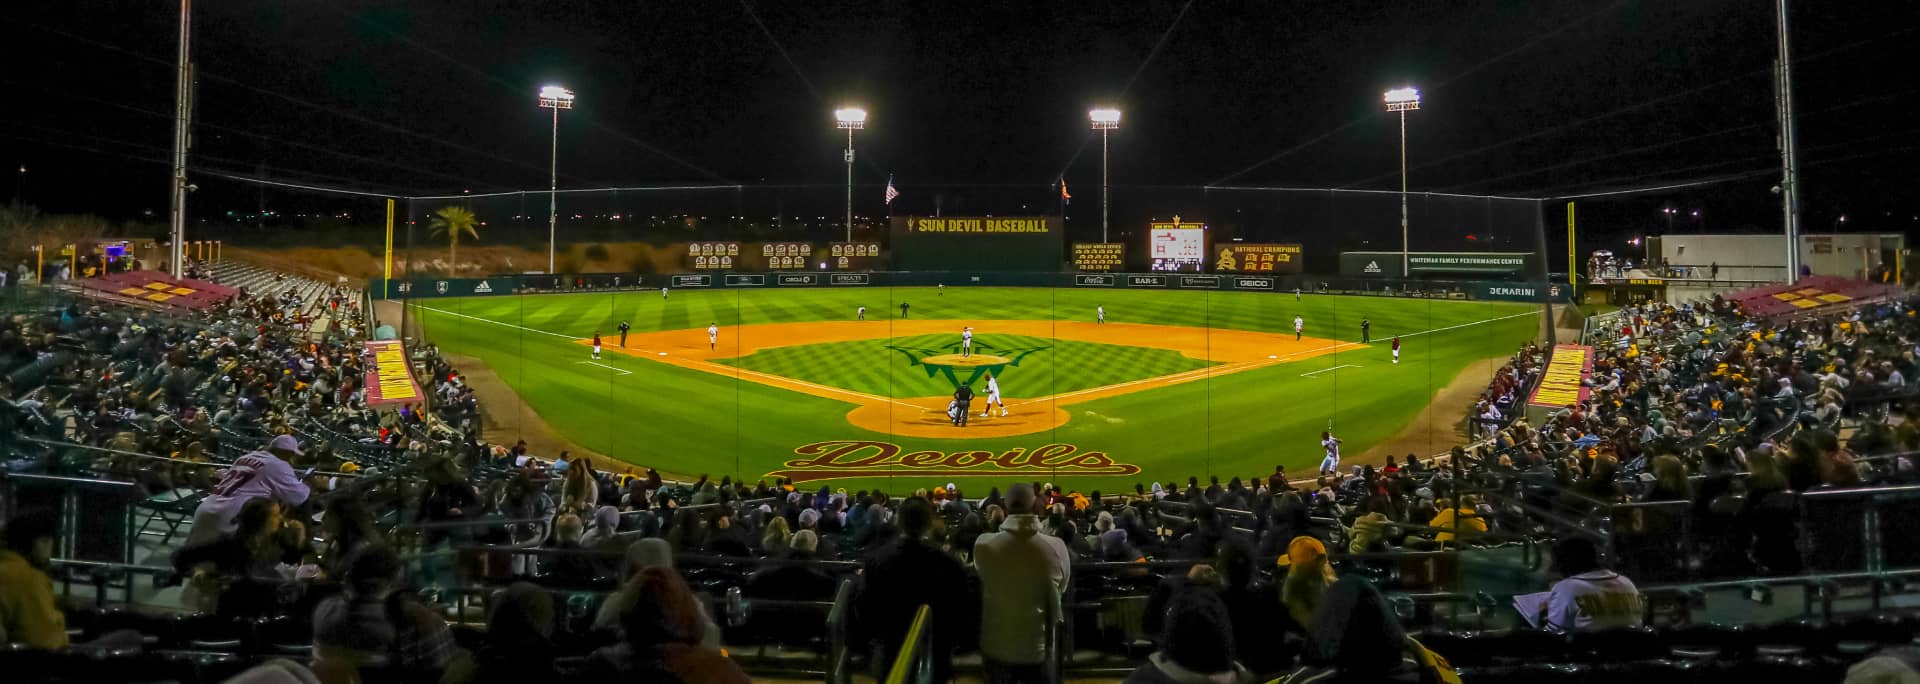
(1105, 120)
(1669, 211)
(852, 119)
(1403, 100)
(555, 98)
(182, 139)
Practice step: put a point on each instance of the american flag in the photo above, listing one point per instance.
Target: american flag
(891, 193)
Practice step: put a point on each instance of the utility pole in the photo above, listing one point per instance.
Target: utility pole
(182, 126)
(1789, 152)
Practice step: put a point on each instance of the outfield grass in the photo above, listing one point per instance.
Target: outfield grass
(688, 421)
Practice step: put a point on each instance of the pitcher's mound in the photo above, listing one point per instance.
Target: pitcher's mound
(927, 417)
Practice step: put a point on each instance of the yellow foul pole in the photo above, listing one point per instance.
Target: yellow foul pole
(386, 278)
(1573, 259)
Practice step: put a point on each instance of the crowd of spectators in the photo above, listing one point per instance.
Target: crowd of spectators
(1275, 577)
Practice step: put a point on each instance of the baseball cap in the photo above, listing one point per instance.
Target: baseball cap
(1302, 549)
(285, 443)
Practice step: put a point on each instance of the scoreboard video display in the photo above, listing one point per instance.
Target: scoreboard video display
(787, 256)
(712, 256)
(1177, 246)
(1256, 258)
(1099, 257)
(852, 256)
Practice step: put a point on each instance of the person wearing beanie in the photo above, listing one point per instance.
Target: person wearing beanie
(1196, 645)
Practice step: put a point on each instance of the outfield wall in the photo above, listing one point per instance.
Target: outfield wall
(509, 284)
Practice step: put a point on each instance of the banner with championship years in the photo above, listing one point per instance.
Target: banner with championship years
(1099, 257)
(1564, 384)
(389, 377)
(1257, 258)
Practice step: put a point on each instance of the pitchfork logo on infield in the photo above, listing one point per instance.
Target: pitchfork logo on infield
(948, 361)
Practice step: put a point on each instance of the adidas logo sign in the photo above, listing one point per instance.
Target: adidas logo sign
(1372, 267)
(482, 288)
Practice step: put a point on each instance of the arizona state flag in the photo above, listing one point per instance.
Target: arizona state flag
(1064, 197)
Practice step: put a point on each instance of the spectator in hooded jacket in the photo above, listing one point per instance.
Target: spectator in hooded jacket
(1023, 574)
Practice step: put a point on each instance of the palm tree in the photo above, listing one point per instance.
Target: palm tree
(453, 221)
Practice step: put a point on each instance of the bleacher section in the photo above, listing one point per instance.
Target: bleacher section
(154, 287)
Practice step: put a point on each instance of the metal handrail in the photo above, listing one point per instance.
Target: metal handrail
(839, 653)
(912, 660)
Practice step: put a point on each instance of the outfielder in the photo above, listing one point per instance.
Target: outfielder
(1299, 324)
(1332, 460)
(993, 397)
(713, 336)
(663, 292)
(1396, 349)
(966, 341)
(596, 344)
(1100, 314)
(862, 313)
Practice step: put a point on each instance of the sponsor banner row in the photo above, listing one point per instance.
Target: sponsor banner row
(1192, 282)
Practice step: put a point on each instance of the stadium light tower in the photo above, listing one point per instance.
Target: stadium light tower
(1403, 100)
(852, 119)
(1105, 119)
(555, 98)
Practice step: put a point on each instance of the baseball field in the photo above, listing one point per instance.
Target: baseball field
(795, 384)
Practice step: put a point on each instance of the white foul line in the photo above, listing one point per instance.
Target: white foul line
(489, 320)
(621, 371)
(1323, 370)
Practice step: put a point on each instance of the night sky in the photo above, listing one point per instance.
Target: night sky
(1524, 98)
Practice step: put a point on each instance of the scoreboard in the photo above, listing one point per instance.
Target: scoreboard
(1257, 258)
(1176, 246)
(786, 256)
(712, 256)
(852, 256)
(1099, 257)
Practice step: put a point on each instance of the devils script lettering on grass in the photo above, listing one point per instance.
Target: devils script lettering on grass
(860, 458)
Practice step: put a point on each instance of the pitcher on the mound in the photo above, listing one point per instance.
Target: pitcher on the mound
(993, 397)
(966, 341)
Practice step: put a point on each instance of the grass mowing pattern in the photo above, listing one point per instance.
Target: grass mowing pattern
(881, 367)
(687, 421)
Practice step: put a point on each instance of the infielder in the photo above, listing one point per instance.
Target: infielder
(713, 336)
(596, 344)
(623, 334)
(1299, 324)
(966, 341)
(1332, 460)
(1100, 314)
(862, 313)
(1396, 349)
(993, 397)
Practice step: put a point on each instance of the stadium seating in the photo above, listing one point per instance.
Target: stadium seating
(1454, 596)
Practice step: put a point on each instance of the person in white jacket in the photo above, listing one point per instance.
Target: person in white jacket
(1023, 574)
